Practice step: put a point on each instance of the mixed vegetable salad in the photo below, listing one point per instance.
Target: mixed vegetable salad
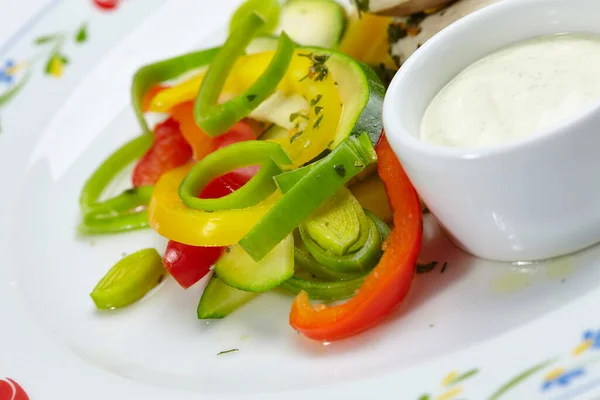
(271, 168)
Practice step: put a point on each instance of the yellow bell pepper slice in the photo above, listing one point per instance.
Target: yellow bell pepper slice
(171, 218)
(366, 40)
(315, 128)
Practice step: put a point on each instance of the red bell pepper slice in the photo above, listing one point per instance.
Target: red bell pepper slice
(387, 285)
(169, 150)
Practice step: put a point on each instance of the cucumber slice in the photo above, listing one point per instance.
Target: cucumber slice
(262, 43)
(219, 299)
(236, 268)
(313, 22)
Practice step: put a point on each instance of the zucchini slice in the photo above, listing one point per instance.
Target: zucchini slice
(313, 22)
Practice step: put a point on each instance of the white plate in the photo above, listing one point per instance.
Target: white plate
(490, 321)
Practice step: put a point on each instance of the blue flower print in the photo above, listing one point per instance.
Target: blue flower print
(561, 377)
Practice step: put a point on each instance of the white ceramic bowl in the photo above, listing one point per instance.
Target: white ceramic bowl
(533, 199)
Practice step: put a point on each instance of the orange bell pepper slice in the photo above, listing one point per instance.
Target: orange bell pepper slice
(387, 285)
(201, 143)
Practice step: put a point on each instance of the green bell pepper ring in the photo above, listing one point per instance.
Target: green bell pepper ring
(162, 71)
(215, 119)
(127, 201)
(316, 290)
(94, 224)
(106, 172)
(118, 214)
(269, 155)
(320, 183)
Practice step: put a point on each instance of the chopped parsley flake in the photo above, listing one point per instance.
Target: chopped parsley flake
(251, 97)
(296, 136)
(340, 170)
(318, 71)
(227, 351)
(425, 268)
(317, 122)
(316, 100)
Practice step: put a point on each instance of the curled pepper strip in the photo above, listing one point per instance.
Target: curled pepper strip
(118, 214)
(171, 218)
(161, 71)
(107, 171)
(216, 119)
(266, 154)
(94, 224)
(387, 285)
(347, 160)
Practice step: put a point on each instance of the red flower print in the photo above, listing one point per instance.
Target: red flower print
(106, 4)
(10, 390)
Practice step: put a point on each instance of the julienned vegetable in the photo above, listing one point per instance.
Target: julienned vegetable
(345, 287)
(171, 218)
(215, 119)
(129, 280)
(237, 269)
(219, 299)
(269, 213)
(162, 71)
(106, 172)
(341, 98)
(319, 184)
(266, 154)
(387, 285)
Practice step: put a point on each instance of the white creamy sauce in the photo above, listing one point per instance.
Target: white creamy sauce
(522, 90)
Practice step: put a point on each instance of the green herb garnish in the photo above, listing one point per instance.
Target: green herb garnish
(82, 34)
(340, 170)
(227, 351)
(444, 268)
(317, 122)
(318, 71)
(425, 268)
(296, 136)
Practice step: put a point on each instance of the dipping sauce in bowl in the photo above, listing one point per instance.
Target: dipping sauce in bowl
(521, 90)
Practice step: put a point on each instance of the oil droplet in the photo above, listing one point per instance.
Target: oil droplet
(526, 273)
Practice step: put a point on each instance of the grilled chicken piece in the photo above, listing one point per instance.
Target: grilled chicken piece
(408, 34)
(399, 8)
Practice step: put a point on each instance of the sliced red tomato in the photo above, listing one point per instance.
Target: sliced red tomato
(169, 150)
